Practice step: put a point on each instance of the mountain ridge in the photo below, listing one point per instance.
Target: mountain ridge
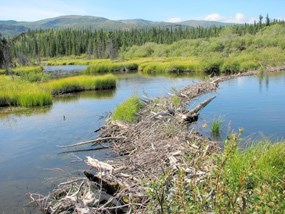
(12, 27)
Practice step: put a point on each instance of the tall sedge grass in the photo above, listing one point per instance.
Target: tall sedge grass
(25, 70)
(111, 67)
(71, 60)
(80, 83)
(216, 125)
(17, 92)
(29, 73)
(127, 110)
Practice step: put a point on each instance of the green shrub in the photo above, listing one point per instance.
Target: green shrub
(249, 66)
(241, 181)
(230, 67)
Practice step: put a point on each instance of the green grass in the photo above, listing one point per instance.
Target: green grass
(80, 83)
(216, 127)
(100, 67)
(176, 101)
(29, 73)
(127, 110)
(17, 92)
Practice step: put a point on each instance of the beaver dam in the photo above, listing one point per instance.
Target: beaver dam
(160, 142)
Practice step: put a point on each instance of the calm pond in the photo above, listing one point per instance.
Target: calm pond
(255, 104)
(30, 160)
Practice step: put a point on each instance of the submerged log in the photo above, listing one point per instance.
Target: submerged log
(98, 140)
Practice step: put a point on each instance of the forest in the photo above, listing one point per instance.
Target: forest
(34, 45)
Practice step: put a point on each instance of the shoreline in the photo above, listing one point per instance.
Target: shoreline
(159, 140)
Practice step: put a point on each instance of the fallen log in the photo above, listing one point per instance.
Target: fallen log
(99, 165)
(91, 142)
(201, 105)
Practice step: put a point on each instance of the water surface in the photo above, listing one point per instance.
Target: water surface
(255, 104)
(29, 158)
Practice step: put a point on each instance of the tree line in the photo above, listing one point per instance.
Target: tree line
(37, 44)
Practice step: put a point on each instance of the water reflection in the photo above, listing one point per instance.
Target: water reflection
(105, 94)
(12, 114)
(252, 103)
(64, 70)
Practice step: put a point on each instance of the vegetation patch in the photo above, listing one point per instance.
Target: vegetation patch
(171, 65)
(80, 83)
(241, 181)
(30, 73)
(111, 67)
(17, 92)
(216, 125)
(128, 110)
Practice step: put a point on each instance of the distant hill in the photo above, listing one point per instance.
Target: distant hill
(202, 23)
(9, 28)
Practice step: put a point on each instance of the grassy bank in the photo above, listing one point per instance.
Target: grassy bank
(102, 66)
(240, 181)
(15, 91)
(68, 60)
(80, 83)
(29, 73)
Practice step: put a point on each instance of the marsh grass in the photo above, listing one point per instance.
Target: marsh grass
(71, 60)
(216, 126)
(17, 92)
(29, 73)
(102, 67)
(127, 110)
(80, 83)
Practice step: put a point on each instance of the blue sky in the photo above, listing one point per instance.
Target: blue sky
(157, 10)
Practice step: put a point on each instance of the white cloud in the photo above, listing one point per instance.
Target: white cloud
(237, 18)
(214, 17)
(174, 19)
